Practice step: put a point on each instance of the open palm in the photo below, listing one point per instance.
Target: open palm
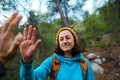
(9, 44)
(29, 46)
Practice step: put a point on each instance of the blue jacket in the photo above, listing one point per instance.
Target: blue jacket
(70, 69)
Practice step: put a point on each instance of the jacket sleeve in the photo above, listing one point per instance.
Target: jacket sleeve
(27, 71)
(90, 73)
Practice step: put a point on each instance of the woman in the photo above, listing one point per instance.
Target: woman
(67, 51)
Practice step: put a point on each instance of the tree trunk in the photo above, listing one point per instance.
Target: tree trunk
(63, 18)
(118, 6)
(66, 15)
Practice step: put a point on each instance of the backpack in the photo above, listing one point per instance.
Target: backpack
(56, 66)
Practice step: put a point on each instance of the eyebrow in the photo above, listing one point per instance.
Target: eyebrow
(65, 35)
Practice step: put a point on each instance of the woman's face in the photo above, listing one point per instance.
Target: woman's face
(66, 40)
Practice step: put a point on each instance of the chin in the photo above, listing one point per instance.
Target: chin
(67, 50)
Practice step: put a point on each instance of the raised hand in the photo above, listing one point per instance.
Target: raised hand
(9, 45)
(29, 46)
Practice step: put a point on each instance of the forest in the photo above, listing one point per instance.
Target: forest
(98, 32)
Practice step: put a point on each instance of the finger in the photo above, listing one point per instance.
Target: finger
(13, 25)
(33, 34)
(29, 32)
(6, 25)
(25, 34)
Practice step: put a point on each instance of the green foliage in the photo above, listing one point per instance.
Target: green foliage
(33, 19)
(102, 44)
(98, 24)
(110, 15)
(48, 36)
(57, 22)
(94, 26)
(13, 67)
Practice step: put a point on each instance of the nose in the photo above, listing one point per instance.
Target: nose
(65, 41)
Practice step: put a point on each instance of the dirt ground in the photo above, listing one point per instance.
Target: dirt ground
(112, 63)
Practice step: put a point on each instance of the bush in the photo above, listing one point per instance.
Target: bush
(102, 44)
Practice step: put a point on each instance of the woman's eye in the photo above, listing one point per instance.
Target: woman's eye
(61, 39)
(67, 37)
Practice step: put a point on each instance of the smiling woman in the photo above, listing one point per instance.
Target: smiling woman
(66, 42)
(67, 51)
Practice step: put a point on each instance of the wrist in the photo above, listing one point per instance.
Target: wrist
(3, 59)
(27, 61)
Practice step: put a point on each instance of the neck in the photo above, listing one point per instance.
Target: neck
(68, 54)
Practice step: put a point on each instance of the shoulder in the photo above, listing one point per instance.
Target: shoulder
(48, 60)
(46, 64)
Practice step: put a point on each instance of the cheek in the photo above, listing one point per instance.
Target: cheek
(60, 44)
(72, 44)
(72, 41)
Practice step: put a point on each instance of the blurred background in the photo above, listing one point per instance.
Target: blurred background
(97, 23)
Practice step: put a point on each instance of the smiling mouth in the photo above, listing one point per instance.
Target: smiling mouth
(66, 46)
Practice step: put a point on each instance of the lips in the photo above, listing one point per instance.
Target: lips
(65, 46)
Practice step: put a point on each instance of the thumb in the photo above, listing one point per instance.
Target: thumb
(37, 43)
(18, 39)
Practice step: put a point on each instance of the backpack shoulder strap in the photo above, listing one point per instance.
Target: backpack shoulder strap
(55, 67)
(84, 64)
